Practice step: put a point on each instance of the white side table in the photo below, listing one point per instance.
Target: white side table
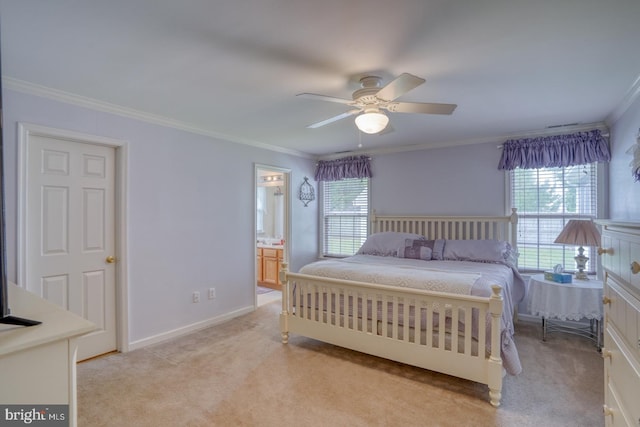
(567, 302)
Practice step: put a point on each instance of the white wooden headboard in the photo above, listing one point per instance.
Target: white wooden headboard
(451, 227)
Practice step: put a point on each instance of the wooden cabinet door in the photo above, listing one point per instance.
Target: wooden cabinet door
(271, 259)
(270, 269)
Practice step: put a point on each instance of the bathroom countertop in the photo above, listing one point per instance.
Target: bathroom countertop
(270, 246)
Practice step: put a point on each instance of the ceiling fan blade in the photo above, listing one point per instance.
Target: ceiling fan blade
(420, 107)
(316, 97)
(398, 87)
(334, 119)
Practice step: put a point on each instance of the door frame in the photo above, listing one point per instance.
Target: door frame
(286, 173)
(25, 132)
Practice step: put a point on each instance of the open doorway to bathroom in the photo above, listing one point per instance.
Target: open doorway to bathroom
(272, 196)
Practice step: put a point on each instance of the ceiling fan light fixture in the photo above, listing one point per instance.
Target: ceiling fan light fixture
(372, 122)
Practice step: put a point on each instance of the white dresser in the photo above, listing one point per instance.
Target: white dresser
(620, 254)
(38, 363)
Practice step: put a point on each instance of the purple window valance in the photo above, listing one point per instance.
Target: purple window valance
(579, 148)
(347, 167)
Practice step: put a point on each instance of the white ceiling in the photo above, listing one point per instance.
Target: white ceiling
(232, 68)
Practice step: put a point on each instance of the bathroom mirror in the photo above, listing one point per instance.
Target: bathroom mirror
(270, 205)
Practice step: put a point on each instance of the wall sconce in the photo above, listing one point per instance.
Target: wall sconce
(306, 193)
(634, 150)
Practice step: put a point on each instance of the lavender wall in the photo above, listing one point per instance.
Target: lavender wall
(190, 221)
(624, 192)
(460, 180)
(190, 212)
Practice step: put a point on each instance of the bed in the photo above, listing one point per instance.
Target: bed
(438, 293)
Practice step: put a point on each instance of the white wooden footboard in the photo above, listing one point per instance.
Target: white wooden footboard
(401, 324)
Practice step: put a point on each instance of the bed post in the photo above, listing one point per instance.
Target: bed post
(495, 361)
(372, 222)
(513, 239)
(284, 314)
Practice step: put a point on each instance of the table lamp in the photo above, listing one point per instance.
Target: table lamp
(580, 232)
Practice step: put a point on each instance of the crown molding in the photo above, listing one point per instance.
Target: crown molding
(630, 97)
(93, 104)
(85, 102)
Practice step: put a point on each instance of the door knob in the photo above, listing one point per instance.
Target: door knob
(110, 259)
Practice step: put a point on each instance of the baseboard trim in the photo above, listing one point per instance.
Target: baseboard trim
(175, 333)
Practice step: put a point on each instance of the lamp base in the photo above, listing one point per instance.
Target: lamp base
(581, 263)
(581, 275)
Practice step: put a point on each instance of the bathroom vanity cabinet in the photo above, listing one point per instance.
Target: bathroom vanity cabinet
(268, 267)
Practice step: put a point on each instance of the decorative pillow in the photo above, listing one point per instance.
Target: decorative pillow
(438, 250)
(386, 243)
(416, 249)
(479, 250)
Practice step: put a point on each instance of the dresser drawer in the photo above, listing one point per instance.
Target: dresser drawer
(622, 250)
(614, 416)
(622, 312)
(621, 261)
(622, 378)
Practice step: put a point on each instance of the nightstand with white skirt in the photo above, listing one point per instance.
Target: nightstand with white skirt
(563, 305)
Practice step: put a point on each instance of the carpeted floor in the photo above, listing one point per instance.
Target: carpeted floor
(240, 374)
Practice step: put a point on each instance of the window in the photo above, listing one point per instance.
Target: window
(547, 198)
(345, 216)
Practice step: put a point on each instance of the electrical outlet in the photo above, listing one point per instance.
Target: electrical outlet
(212, 293)
(196, 296)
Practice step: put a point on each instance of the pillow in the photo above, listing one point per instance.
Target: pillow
(479, 250)
(386, 243)
(438, 250)
(416, 249)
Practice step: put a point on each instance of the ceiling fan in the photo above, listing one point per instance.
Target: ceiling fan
(371, 99)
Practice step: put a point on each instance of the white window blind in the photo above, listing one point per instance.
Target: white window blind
(547, 198)
(345, 215)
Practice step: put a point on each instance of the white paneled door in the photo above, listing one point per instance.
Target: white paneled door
(70, 233)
